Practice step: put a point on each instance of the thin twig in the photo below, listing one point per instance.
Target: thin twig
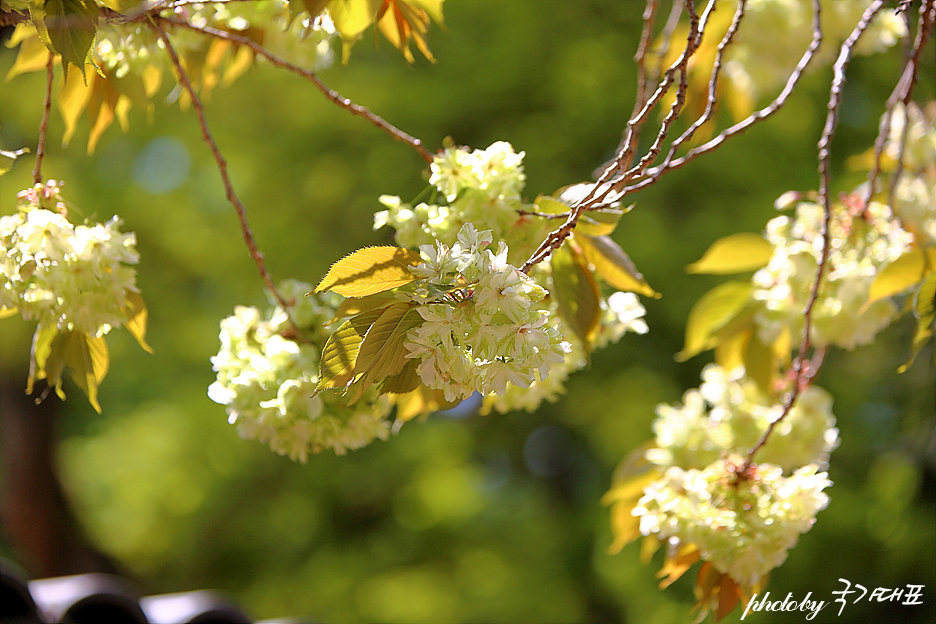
(222, 168)
(331, 94)
(902, 92)
(712, 85)
(44, 124)
(600, 189)
(654, 173)
(803, 372)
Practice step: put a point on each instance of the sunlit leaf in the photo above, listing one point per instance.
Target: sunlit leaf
(137, 315)
(33, 55)
(925, 311)
(421, 402)
(676, 564)
(369, 271)
(576, 293)
(402, 20)
(7, 312)
(351, 18)
(101, 109)
(39, 354)
(71, 25)
(123, 6)
(87, 358)
(761, 364)
(382, 353)
(902, 274)
(632, 475)
(356, 305)
(599, 222)
(72, 100)
(736, 253)
(614, 265)
(716, 309)
(340, 353)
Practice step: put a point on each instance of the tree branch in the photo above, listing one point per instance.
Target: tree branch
(331, 94)
(803, 372)
(222, 168)
(44, 124)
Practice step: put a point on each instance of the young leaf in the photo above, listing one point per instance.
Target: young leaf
(736, 253)
(716, 309)
(357, 305)
(71, 25)
(576, 293)
(351, 18)
(403, 382)
(39, 354)
(7, 159)
(382, 353)
(599, 222)
(614, 265)
(33, 54)
(137, 316)
(122, 6)
(340, 354)
(903, 273)
(88, 360)
(925, 312)
(369, 271)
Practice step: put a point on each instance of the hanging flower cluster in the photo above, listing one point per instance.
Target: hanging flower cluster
(71, 277)
(267, 375)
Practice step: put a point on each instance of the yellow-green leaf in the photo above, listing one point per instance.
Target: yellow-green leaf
(905, 272)
(137, 316)
(761, 364)
(403, 382)
(339, 356)
(357, 305)
(73, 99)
(71, 25)
(369, 271)
(716, 309)
(614, 265)
(7, 312)
(925, 312)
(122, 6)
(736, 253)
(599, 222)
(351, 18)
(39, 354)
(87, 358)
(32, 56)
(576, 293)
(382, 353)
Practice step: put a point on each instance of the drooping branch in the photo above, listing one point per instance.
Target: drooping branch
(44, 124)
(802, 371)
(331, 94)
(653, 174)
(222, 167)
(902, 92)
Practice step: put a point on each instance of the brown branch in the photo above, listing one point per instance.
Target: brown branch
(712, 86)
(601, 189)
(902, 92)
(654, 173)
(44, 124)
(331, 94)
(803, 372)
(222, 168)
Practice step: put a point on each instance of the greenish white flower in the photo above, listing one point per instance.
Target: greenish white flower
(266, 379)
(75, 278)
(743, 524)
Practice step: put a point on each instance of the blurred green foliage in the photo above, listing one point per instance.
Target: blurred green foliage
(462, 518)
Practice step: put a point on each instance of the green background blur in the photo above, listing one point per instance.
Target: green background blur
(463, 518)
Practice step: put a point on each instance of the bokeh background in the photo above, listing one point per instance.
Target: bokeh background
(463, 517)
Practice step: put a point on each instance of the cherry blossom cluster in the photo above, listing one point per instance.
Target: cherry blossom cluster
(743, 522)
(483, 188)
(72, 277)
(267, 376)
(484, 327)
